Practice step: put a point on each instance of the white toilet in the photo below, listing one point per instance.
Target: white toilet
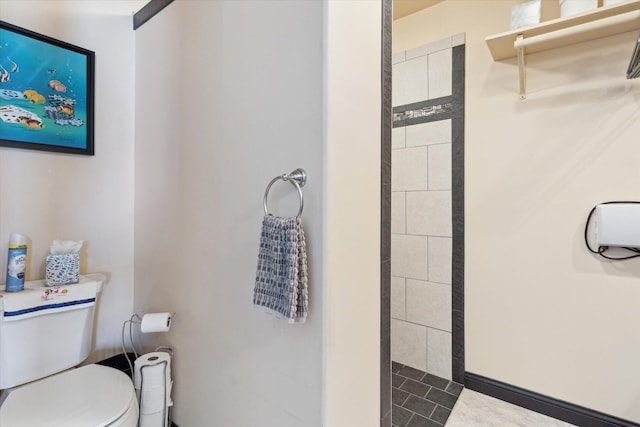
(43, 333)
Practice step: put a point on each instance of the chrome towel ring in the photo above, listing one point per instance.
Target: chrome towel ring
(298, 178)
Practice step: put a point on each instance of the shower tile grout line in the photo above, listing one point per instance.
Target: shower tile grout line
(420, 324)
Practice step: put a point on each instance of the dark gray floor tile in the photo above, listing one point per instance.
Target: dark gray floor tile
(440, 414)
(398, 396)
(397, 380)
(419, 406)
(435, 381)
(409, 372)
(415, 387)
(442, 398)
(420, 399)
(454, 388)
(399, 416)
(418, 421)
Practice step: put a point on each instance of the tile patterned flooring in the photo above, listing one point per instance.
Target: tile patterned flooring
(474, 409)
(421, 399)
(425, 400)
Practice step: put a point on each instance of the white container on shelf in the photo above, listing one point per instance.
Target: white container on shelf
(526, 14)
(575, 7)
(612, 2)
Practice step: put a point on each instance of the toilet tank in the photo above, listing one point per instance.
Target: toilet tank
(45, 330)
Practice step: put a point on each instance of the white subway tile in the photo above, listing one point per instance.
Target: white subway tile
(437, 132)
(458, 39)
(440, 259)
(410, 81)
(440, 67)
(398, 213)
(428, 48)
(409, 344)
(439, 167)
(428, 213)
(409, 256)
(398, 137)
(429, 304)
(409, 169)
(398, 57)
(398, 299)
(439, 353)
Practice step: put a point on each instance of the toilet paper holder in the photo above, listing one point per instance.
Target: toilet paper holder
(155, 322)
(149, 323)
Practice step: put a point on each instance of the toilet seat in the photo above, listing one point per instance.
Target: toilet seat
(93, 395)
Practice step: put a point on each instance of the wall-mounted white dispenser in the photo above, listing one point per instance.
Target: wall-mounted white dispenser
(618, 224)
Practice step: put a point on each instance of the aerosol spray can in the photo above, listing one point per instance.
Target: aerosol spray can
(16, 262)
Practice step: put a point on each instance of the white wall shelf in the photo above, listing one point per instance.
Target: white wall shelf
(601, 22)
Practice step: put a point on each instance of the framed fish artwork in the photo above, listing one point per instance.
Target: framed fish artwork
(46, 93)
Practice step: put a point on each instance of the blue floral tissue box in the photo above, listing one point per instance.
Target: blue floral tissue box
(62, 269)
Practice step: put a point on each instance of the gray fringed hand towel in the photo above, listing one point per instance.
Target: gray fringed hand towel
(281, 276)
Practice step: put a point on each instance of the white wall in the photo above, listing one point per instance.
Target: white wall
(58, 196)
(541, 312)
(236, 96)
(232, 99)
(351, 207)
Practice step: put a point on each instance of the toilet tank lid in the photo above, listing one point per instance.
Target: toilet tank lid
(92, 395)
(37, 299)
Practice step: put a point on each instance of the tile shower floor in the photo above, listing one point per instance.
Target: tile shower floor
(420, 399)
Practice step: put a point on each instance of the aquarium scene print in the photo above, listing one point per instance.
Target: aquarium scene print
(46, 93)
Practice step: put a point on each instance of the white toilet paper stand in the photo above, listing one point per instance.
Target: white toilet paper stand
(153, 384)
(151, 372)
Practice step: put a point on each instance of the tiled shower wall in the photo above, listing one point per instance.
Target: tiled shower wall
(421, 207)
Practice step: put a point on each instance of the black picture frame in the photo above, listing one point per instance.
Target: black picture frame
(46, 93)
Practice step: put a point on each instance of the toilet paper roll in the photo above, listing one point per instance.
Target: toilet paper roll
(155, 322)
(151, 359)
(151, 420)
(152, 381)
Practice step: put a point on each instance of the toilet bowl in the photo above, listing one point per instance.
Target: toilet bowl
(93, 395)
(44, 333)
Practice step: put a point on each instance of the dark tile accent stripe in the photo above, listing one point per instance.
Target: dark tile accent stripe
(150, 10)
(542, 404)
(457, 207)
(422, 399)
(430, 110)
(385, 218)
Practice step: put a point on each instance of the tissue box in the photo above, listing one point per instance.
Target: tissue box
(62, 269)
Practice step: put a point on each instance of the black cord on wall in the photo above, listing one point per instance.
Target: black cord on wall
(602, 249)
